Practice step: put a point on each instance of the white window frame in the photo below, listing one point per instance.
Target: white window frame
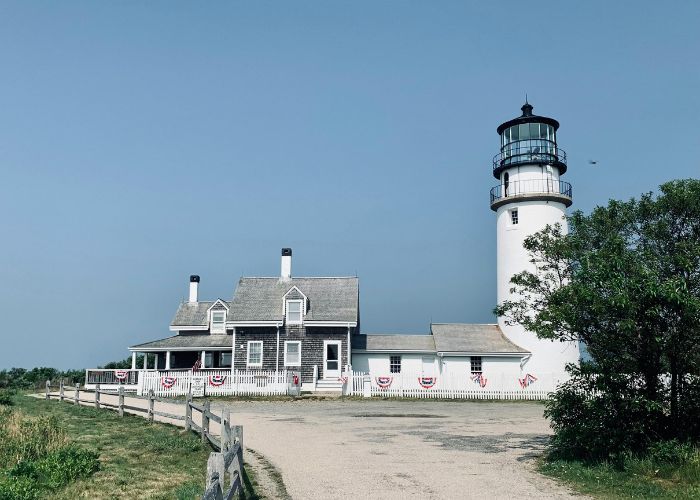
(301, 311)
(516, 212)
(222, 327)
(286, 344)
(247, 360)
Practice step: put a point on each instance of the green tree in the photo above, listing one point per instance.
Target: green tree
(626, 282)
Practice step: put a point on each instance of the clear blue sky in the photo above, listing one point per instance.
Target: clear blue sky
(141, 142)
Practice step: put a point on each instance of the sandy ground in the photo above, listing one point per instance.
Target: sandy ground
(379, 449)
(401, 449)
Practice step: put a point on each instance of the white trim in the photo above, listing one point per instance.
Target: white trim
(330, 323)
(284, 297)
(247, 354)
(301, 303)
(197, 348)
(180, 328)
(234, 324)
(286, 343)
(222, 324)
(218, 301)
(339, 343)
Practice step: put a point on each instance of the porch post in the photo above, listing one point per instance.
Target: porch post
(133, 360)
(204, 359)
(349, 350)
(145, 361)
(233, 350)
(277, 352)
(167, 360)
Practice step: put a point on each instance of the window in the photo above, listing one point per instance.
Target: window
(208, 360)
(294, 312)
(225, 360)
(292, 353)
(514, 216)
(476, 364)
(395, 364)
(506, 183)
(255, 353)
(218, 322)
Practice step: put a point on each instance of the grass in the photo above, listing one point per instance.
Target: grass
(645, 477)
(137, 459)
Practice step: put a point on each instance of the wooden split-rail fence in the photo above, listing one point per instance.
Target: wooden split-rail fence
(224, 463)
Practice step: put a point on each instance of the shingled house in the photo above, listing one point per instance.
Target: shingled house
(272, 323)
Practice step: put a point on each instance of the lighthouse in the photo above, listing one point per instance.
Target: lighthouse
(530, 195)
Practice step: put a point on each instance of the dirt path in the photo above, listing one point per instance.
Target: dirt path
(391, 450)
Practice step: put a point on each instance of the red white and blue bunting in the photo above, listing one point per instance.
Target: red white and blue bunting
(217, 380)
(527, 381)
(121, 374)
(427, 382)
(168, 382)
(384, 382)
(479, 379)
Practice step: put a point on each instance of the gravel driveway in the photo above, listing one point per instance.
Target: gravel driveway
(400, 449)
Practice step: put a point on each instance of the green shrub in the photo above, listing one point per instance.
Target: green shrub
(6, 397)
(58, 468)
(598, 417)
(18, 489)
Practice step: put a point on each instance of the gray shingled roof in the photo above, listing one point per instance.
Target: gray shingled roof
(193, 313)
(394, 342)
(462, 337)
(261, 299)
(189, 341)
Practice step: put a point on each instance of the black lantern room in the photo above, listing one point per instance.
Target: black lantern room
(529, 139)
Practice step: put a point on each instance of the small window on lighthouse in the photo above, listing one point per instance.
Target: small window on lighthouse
(514, 216)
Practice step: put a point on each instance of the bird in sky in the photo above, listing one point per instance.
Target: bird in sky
(593, 162)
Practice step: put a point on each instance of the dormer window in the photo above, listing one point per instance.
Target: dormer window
(218, 322)
(294, 312)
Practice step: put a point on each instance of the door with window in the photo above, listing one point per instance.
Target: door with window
(331, 358)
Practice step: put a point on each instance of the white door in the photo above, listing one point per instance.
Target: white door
(331, 358)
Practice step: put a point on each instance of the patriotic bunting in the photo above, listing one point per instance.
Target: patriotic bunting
(427, 382)
(479, 379)
(384, 382)
(167, 382)
(527, 381)
(217, 380)
(121, 374)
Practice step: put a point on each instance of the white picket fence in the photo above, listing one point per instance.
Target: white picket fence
(453, 386)
(166, 383)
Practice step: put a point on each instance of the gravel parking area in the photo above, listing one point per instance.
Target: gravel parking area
(400, 449)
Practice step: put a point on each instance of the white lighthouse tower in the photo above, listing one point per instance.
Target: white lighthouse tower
(530, 195)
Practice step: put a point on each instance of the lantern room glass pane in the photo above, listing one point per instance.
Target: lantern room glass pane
(514, 136)
(524, 131)
(534, 131)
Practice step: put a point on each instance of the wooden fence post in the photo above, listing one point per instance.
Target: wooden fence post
(60, 391)
(48, 388)
(226, 437)
(121, 401)
(97, 396)
(188, 413)
(205, 420)
(76, 394)
(151, 403)
(215, 473)
(238, 438)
